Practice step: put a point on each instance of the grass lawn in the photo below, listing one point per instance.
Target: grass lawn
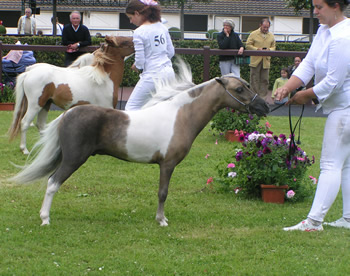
(103, 220)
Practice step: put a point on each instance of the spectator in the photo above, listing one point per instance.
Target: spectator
(262, 40)
(39, 33)
(59, 26)
(75, 36)
(228, 39)
(153, 50)
(279, 83)
(291, 69)
(329, 61)
(26, 23)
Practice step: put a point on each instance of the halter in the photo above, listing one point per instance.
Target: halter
(242, 103)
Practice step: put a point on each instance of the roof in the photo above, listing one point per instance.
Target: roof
(214, 7)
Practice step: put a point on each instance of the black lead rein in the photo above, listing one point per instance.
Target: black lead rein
(292, 145)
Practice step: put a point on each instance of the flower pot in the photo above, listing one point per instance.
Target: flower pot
(273, 193)
(7, 106)
(232, 135)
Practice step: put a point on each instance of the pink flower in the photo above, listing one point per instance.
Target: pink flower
(216, 142)
(267, 124)
(290, 194)
(210, 180)
(207, 156)
(231, 165)
(313, 179)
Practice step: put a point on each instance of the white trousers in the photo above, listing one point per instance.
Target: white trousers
(145, 86)
(335, 166)
(229, 66)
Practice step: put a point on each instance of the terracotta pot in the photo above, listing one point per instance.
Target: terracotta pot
(232, 136)
(273, 193)
(7, 106)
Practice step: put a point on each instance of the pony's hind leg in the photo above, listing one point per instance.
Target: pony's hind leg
(52, 188)
(42, 116)
(25, 123)
(165, 175)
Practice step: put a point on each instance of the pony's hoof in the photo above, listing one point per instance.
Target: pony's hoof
(45, 222)
(163, 223)
(25, 151)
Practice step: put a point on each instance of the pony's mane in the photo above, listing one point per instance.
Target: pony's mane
(166, 90)
(101, 58)
(83, 60)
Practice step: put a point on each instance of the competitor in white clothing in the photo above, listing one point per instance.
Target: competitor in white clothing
(153, 50)
(329, 60)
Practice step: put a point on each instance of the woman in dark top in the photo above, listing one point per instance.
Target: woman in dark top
(228, 39)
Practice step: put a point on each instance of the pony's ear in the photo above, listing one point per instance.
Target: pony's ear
(222, 81)
(109, 39)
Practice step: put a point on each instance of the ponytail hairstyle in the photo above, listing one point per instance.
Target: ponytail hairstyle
(149, 9)
(342, 3)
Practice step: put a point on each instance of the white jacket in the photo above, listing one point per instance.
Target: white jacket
(21, 23)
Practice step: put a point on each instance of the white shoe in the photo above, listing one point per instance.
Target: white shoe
(305, 225)
(339, 223)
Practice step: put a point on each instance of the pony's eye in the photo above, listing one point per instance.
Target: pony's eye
(239, 89)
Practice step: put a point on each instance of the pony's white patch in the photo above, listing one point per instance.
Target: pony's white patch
(148, 134)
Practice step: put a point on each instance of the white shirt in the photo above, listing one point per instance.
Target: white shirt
(153, 47)
(329, 60)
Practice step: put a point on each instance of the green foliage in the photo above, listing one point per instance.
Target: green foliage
(299, 5)
(230, 119)
(2, 30)
(265, 159)
(7, 93)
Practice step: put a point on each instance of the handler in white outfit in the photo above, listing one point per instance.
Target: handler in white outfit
(153, 50)
(329, 60)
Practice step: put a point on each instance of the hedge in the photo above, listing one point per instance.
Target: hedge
(130, 78)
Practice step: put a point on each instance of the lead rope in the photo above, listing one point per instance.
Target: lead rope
(292, 144)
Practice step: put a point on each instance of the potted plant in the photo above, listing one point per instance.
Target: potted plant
(7, 96)
(270, 160)
(2, 29)
(234, 124)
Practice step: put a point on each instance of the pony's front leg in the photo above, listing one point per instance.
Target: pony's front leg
(51, 189)
(165, 175)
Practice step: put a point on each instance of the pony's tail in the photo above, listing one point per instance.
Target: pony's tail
(20, 107)
(45, 156)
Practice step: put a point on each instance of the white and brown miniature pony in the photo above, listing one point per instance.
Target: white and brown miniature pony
(162, 133)
(42, 84)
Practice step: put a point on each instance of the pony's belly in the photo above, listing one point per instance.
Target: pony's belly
(149, 134)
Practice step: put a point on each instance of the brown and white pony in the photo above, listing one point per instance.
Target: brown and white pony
(42, 84)
(160, 133)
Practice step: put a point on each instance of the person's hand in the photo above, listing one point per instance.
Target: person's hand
(302, 97)
(134, 68)
(240, 51)
(281, 93)
(226, 31)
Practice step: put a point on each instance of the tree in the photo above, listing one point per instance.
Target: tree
(181, 6)
(299, 5)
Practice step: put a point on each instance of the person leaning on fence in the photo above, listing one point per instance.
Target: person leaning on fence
(228, 39)
(26, 23)
(328, 59)
(75, 36)
(261, 40)
(279, 83)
